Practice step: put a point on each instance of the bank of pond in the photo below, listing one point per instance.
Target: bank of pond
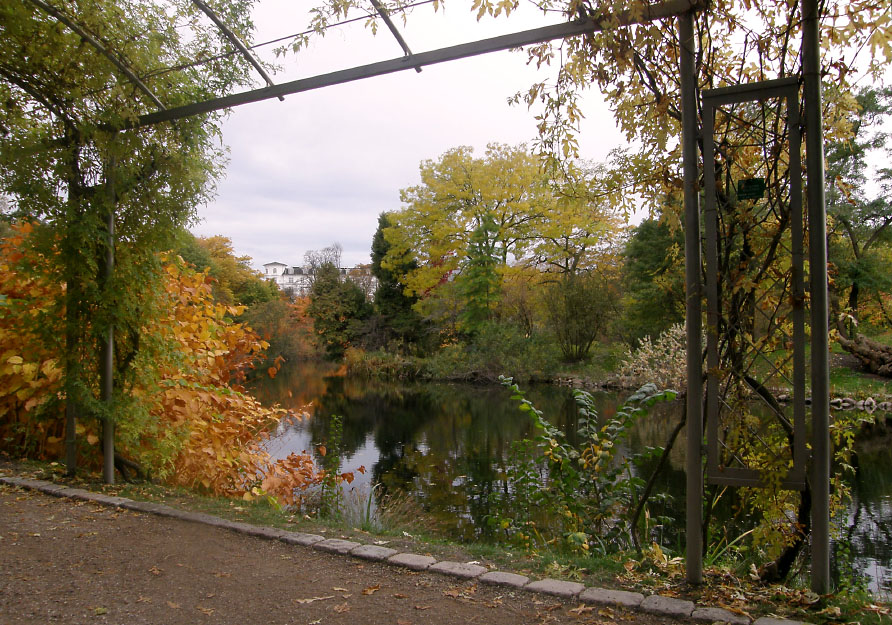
(447, 447)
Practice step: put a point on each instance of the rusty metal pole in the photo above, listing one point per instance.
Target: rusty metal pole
(817, 244)
(693, 309)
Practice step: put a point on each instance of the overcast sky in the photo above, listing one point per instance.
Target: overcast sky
(320, 167)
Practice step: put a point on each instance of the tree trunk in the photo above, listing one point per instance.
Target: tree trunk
(874, 356)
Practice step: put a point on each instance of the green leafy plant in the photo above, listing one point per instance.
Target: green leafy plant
(591, 489)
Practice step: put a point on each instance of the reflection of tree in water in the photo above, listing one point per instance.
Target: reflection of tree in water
(449, 445)
(868, 527)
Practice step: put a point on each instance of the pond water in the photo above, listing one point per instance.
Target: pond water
(447, 444)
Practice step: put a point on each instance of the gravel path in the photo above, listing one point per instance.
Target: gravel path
(64, 561)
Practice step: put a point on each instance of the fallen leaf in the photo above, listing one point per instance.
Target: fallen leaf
(207, 611)
(142, 599)
(155, 570)
(452, 592)
(222, 574)
(312, 599)
(340, 609)
(400, 621)
(422, 607)
(371, 589)
(172, 605)
(100, 611)
(339, 589)
(582, 609)
(398, 595)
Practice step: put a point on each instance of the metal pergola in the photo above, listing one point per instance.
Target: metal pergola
(692, 136)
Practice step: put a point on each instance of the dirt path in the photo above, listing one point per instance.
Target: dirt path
(63, 561)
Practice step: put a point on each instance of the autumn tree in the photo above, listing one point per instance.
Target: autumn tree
(338, 308)
(458, 194)
(67, 87)
(235, 282)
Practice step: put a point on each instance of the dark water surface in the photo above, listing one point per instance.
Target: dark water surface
(448, 444)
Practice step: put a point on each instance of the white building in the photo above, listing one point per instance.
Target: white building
(298, 280)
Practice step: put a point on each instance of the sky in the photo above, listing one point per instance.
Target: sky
(320, 167)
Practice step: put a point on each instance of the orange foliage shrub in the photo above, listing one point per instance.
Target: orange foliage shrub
(204, 429)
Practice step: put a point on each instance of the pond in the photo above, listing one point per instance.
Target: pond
(447, 444)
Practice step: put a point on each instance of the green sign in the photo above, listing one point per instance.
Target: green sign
(751, 189)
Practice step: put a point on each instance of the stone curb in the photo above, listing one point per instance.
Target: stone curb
(556, 587)
(667, 606)
(653, 604)
(458, 569)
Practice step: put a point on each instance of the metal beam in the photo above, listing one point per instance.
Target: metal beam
(78, 30)
(668, 8)
(227, 32)
(693, 306)
(399, 38)
(817, 244)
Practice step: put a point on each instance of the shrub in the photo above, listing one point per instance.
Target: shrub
(662, 362)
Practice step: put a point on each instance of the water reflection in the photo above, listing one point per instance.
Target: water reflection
(449, 446)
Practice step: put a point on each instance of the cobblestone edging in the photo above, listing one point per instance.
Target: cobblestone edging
(653, 604)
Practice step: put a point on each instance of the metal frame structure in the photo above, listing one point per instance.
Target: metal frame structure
(683, 10)
(717, 472)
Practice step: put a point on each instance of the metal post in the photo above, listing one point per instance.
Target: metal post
(107, 366)
(693, 290)
(817, 239)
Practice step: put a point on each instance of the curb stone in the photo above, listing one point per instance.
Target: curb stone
(299, 538)
(412, 561)
(336, 545)
(667, 606)
(605, 596)
(712, 615)
(501, 578)
(373, 552)
(654, 604)
(556, 587)
(459, 569)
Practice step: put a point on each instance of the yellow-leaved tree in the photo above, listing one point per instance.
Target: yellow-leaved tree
(188, 419)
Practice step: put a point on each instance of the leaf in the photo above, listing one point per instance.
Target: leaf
(155, 570)
(100, 611)
(314, 599)
(173, 606)
(207, 611)
(343, 607)
(370, 590)
(582, 609)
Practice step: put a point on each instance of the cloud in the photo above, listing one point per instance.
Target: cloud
(322, 165)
